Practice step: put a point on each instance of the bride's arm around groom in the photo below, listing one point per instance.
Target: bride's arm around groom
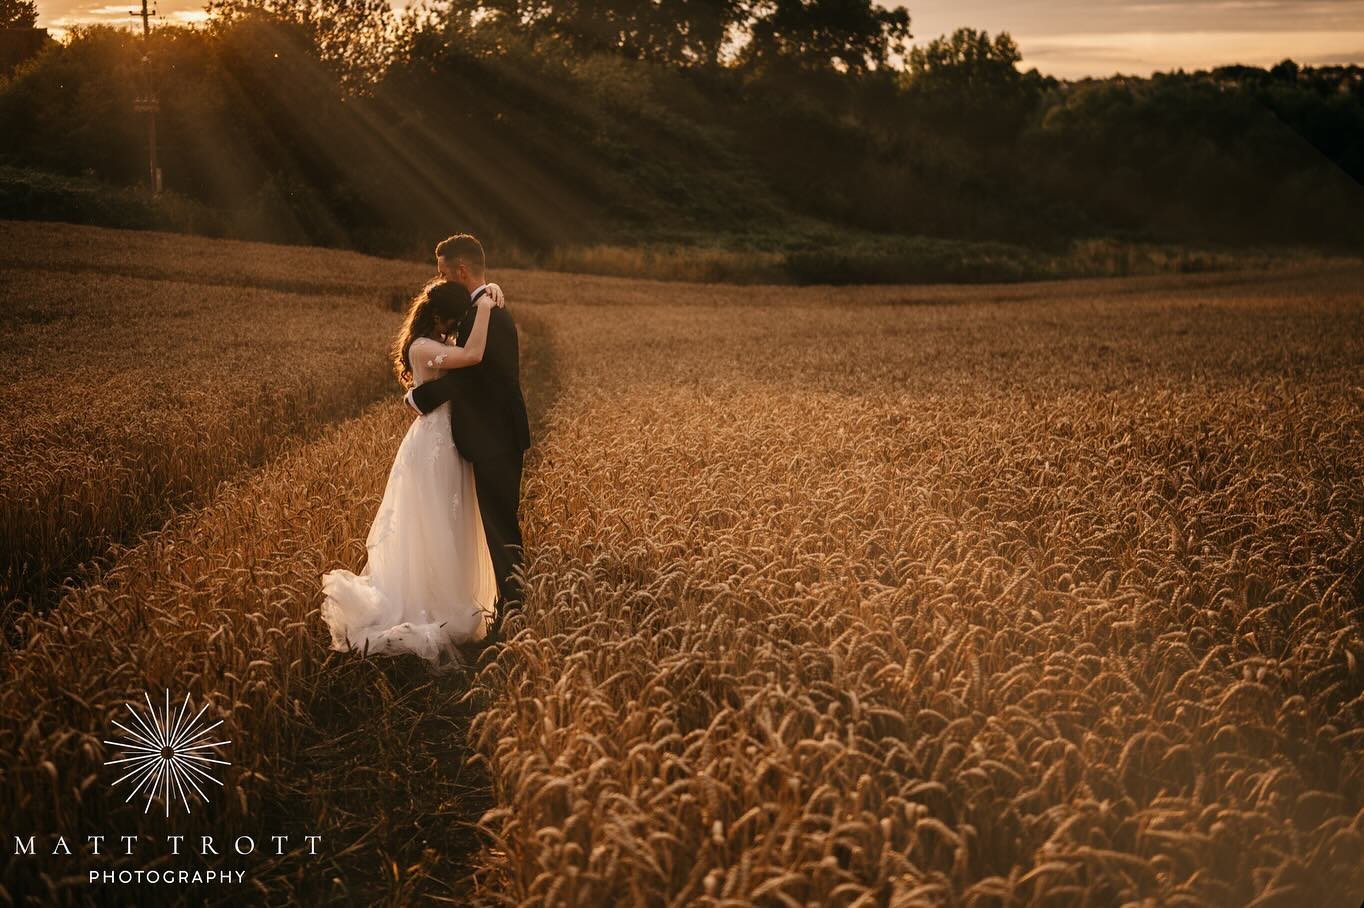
(496, 352)
(448, 355)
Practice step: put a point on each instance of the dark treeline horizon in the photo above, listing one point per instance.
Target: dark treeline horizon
(781, 124)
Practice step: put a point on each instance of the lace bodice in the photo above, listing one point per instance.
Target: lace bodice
(422, 351)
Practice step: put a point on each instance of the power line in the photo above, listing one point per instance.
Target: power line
(146, 100)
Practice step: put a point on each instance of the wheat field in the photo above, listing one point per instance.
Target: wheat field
(143, 369)
(1042, 594)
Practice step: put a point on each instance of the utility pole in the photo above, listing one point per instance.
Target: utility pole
(146, 101)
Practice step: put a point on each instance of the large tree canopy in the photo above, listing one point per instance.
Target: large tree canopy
(18, 13)
(353, 38)
(853, 35)
(973, 81)
(683, 32)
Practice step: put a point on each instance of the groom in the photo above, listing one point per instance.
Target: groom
(487, 419)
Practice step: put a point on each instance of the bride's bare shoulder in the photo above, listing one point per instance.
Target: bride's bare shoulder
(429, 343)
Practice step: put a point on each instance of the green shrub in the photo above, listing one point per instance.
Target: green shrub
(34, 196)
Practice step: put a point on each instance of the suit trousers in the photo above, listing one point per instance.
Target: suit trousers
(498, 480)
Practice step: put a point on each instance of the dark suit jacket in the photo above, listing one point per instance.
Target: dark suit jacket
(487, 411)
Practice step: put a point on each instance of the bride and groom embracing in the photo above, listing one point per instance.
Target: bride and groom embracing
(445, 545)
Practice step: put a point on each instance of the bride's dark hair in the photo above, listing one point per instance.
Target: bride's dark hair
(438, 302)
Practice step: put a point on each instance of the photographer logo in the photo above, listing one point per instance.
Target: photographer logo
(167, 755)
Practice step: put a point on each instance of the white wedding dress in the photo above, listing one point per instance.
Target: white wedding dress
(428, 583)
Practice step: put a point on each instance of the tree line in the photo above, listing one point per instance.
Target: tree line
(762, 122)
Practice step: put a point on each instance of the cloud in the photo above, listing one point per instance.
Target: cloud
(934, 17)
(60, 15)
(1084, 56)
(1335, 59)
(1141, 53)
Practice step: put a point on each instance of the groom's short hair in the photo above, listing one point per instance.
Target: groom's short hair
(462, 247)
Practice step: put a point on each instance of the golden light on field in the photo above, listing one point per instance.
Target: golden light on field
(188, 356)
(1019, 594)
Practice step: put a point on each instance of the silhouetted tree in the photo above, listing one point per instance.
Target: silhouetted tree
(968, 61)
(18, 13)
(20, 39)
(353, 38)
(678, 32)
(852, 35)
(971, 82)
(1286, 70)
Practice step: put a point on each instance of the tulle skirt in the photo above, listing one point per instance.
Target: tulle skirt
(428, 582)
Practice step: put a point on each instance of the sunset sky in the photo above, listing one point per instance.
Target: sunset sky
(1066, 38)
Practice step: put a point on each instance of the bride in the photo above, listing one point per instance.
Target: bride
(428, 583)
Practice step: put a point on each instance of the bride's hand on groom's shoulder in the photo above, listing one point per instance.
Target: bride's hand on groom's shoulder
(495, 296)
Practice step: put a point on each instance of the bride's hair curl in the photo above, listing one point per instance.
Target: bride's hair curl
(439, 302)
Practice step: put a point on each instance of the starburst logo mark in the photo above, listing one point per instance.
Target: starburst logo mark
(167, 755)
